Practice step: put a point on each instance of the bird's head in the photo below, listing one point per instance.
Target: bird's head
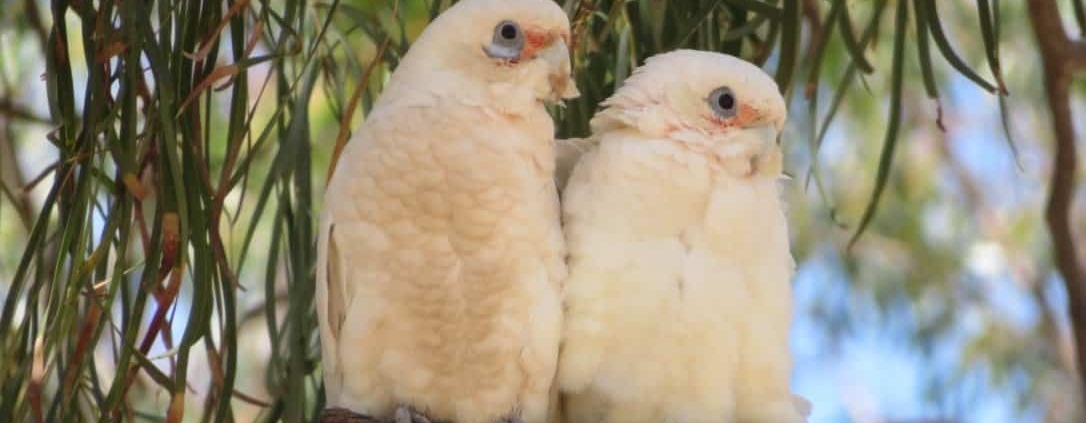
(713, 100)
(516, 46)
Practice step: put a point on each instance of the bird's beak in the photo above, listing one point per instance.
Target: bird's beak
(762, 137)
(750, 149)
(556, 55)
(779, 125)
(766, 132)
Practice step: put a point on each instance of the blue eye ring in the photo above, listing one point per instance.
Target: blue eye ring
(507, 41)
(723, 102)
(507, 31)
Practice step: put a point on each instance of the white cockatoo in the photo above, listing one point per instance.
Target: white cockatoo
(440, 254)
(678, 303)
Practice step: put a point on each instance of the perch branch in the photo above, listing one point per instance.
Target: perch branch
(340, 415)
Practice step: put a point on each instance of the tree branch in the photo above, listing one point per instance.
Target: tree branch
(1061, 57)
(340, 415)
(1077, 52)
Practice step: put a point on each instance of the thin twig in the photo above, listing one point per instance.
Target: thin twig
(813, 16)
(13, 111)
(345, 123)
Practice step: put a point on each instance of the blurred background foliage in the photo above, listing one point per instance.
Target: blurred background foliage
(162, 162)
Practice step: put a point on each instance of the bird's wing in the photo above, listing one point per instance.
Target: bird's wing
(330, 303)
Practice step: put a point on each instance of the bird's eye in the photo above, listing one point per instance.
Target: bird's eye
(507, 34)
(723, 102)
(507, 42)
(508, 31)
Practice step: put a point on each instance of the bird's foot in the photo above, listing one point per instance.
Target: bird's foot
(406, 414)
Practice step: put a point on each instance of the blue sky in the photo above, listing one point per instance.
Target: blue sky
(874, 374)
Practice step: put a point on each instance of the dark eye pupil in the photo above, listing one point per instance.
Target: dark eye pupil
(509, 32)
(726, 101)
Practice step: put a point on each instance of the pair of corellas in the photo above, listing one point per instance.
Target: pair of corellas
(455, 285)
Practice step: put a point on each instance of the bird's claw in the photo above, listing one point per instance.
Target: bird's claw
(406, 414)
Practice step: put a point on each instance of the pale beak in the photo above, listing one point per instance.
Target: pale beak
(556, 55)
(766, 132)
(779, 124)
(749, 149)
(763, 147)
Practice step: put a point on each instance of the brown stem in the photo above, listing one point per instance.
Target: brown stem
(1061, 57)
(814, 18)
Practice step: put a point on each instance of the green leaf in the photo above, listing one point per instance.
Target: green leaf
(789, 50)
(886, 158)
(991, 43)
(922, 49)
(948, 52)
(1080, 16)
(816, 55)
(855, 48)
